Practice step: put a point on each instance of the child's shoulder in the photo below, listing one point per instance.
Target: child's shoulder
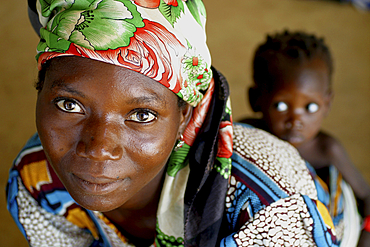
(324, 150)
(329, 145)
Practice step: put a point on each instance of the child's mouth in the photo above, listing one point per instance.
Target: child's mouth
(294, 138)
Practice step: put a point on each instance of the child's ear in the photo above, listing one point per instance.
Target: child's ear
(254, 98)
(329, 99)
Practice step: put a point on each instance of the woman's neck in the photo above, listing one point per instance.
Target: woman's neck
(138, 223)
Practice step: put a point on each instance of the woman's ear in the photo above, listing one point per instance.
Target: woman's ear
(186, 113)
(254, 98)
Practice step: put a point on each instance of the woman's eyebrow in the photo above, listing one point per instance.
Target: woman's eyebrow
(61, 85)
(151, 98)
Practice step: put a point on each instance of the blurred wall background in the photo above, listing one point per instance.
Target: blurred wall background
(234, 28)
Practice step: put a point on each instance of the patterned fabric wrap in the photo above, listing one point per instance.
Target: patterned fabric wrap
(264, 206)
(339, 198)
(272, 199)
(162, 39)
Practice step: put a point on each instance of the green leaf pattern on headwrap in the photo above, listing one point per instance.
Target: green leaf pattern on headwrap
(96, 25)
(197, 9)
(170, 12)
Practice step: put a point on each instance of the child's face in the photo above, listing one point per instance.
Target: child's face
(298, 103)
(107, 131)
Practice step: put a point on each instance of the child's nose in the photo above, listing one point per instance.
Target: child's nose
(296, 124)
(295, 121)
(100, 141)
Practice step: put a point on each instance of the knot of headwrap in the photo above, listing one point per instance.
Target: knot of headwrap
(162, 39)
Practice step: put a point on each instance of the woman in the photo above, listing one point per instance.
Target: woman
(120, 160)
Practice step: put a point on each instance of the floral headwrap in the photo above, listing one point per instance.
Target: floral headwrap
(161, 39)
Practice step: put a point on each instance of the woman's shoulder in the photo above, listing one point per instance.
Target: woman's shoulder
(36, 197)
(31, 148)
(246, 135)
(260, 156)
(32, 172)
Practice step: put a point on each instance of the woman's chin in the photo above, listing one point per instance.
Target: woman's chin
(103, 206)
(98, 203)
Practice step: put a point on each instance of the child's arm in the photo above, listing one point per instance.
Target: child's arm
(340, 159)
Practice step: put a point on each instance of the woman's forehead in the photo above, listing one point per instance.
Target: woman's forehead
(89, 69)
(88, 77)
(70, 65)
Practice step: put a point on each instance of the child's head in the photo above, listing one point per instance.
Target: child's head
(292, 75)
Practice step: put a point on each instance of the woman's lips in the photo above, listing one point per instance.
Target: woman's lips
(96, 186)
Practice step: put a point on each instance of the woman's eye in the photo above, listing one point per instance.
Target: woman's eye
(69, 106)
(281, 106)
(312, 107)
(142, 116)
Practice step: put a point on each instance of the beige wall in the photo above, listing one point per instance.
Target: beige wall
(17, 98)
(234, 29)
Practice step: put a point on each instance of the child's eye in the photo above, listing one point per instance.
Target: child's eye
(281, 106)
(142, 116)
(312, 107)
(68, 106)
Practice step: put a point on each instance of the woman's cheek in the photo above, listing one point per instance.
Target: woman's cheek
(151, 150)
(56, 139)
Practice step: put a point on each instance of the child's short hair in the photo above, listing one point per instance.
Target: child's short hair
(296, 47)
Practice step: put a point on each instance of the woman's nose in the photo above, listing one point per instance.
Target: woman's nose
(100, 141)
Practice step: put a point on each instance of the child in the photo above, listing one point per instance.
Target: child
(292, 74)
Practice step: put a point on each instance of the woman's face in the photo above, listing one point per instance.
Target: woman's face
(107, 131)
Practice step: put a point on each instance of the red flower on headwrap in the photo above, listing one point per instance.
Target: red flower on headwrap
(152, 4)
